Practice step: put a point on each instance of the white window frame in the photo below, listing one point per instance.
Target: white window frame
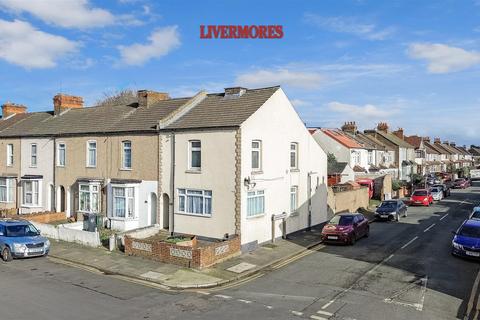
(124, 148)
(182, 205)
(91, 191)
(255, 195)
(293, 200)
(130, 207)
(9, 185)
(356, 157)
(88, 153)
(370, 157)
(192, 149)
(37, 191)
(33, 155)
(259, 151)
(294, 152)
(10, 155)
(59, 164)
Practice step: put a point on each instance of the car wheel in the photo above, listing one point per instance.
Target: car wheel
(7, 254)
(353, 239)
(397, 217)
(367, 233)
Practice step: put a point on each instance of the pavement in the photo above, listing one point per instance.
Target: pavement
(176, 277)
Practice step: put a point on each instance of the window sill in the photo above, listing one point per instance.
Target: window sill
(7, 201)
(125, 169)
(123, 219)
(295, 214)
(59, 166)
(33, 167)
(31, 206)
(194, 214)
(294, 170)
(91, 167)
(256, 172)
(193, 171)
(256, 216)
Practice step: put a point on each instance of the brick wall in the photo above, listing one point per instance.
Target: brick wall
(44, 217)
(185, 256)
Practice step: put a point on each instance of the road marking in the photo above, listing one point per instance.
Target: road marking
(409, 242)
(431, 226)
(297, 257)
(297, 313)
(418, 306)
(471, 300)
(444, 217)
(223, 296)
(269, 307)
(203, 292)
(389, 257)
(326, 305)
(422, 298)
(317, 317)
(244, 301)
(325, 313)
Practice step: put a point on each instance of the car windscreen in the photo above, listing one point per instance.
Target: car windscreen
(21, 230)
(388, 205)
(342, 220)
(470, 231)
(420, 193)
(476, 214)
(435, 190)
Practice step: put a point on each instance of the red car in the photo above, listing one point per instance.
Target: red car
(421, 197)
(461, 183)
(346, 228)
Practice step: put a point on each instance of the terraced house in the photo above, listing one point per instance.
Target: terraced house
(212, 165)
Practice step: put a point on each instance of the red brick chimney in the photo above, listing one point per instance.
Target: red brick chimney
(350, 127)
(10, 108)
(437, 140)
(62, 102)
(399, 133)
(147, 97)
(382, 126)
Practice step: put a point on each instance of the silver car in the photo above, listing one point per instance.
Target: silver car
(437, 193)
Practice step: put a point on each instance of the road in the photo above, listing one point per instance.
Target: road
(403, 270)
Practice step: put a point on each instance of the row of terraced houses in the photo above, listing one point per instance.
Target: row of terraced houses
(212, 165)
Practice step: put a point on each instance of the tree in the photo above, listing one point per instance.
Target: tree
(122, 97)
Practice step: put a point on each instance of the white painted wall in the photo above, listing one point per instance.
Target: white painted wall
(330, 145)
(44, 167)
(277, 124)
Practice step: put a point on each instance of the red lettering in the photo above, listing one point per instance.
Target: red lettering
(202, 30)
(216, 31)
(262, 30)
(232, 32)
(251, 33)
(271, 32)
(243, 32)
(279, 31)
(223, 32)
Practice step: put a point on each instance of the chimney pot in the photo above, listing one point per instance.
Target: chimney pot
(62, 102)
(350, 127)
(399, 133)
(147, 97)
(9, 108)
(437, 140)
(427, 139)
(382, 126)
(235, 91)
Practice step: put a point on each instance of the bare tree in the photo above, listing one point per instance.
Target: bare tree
(122, 97)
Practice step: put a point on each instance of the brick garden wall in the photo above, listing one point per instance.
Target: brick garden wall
(185, 256)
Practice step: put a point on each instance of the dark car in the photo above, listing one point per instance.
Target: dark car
(466, 242)
(475, 213)
(346, 228)
(461, 183)
(445, 188)
(391, 210)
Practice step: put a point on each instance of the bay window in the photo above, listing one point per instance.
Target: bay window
(123, 202)
(89, 197)
(7, 187)
(196, 202)
(255, 203)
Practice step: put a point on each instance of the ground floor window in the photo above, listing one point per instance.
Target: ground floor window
(89, 197)
(7, 187)
(123, 202)
(293, 199)
(255, 203)
(198, 202)
(30, 192)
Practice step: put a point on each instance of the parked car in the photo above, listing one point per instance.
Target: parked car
(421, 197)
(391, 210)
(445, 189)
(466, 240)
(346, 228)
(20, 239)
(461, 183)
(475, 213)
(437, 193)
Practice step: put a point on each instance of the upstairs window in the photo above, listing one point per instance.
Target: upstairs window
(91, 154)
(294, 155)
(61, 154)
(127, 154)
(33, 155)
(195, 154)
(9, 154)
(256, 155)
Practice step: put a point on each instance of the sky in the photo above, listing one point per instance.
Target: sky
(413, 64)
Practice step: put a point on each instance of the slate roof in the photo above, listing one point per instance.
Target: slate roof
(342, 138)
(395, 140)
(441, 148)
(380, 145)
(430, 148)
(474, 151)
(215, 110)
(336, 167)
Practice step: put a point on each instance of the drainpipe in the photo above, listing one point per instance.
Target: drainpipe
(172, 191)
(54, 176)
(309, 194)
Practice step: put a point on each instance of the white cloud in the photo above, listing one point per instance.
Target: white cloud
(442, 58)
(349, 25)
(281, 76)
(367, 111)
(64, 13)
(23, 45)
(300, 103)
(161, 42)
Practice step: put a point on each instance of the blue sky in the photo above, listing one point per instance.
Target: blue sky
(414, 64)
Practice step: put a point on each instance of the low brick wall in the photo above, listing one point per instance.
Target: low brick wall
(186, 256)
(44, 217)
(8, 213)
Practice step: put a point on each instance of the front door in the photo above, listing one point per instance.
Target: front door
(153, 208)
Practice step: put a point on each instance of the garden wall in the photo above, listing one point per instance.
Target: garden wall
(70, 232)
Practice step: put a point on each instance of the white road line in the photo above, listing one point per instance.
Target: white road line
(325, 313)
(389, 257)
(424, 290)
(223, 296)
(317, 317)
(204, 293)
(472, 295)
(326, 305)
(297, 313)
(409, 242)
(269, 307)
(244, 301)
(444, 217)
(431, 226)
